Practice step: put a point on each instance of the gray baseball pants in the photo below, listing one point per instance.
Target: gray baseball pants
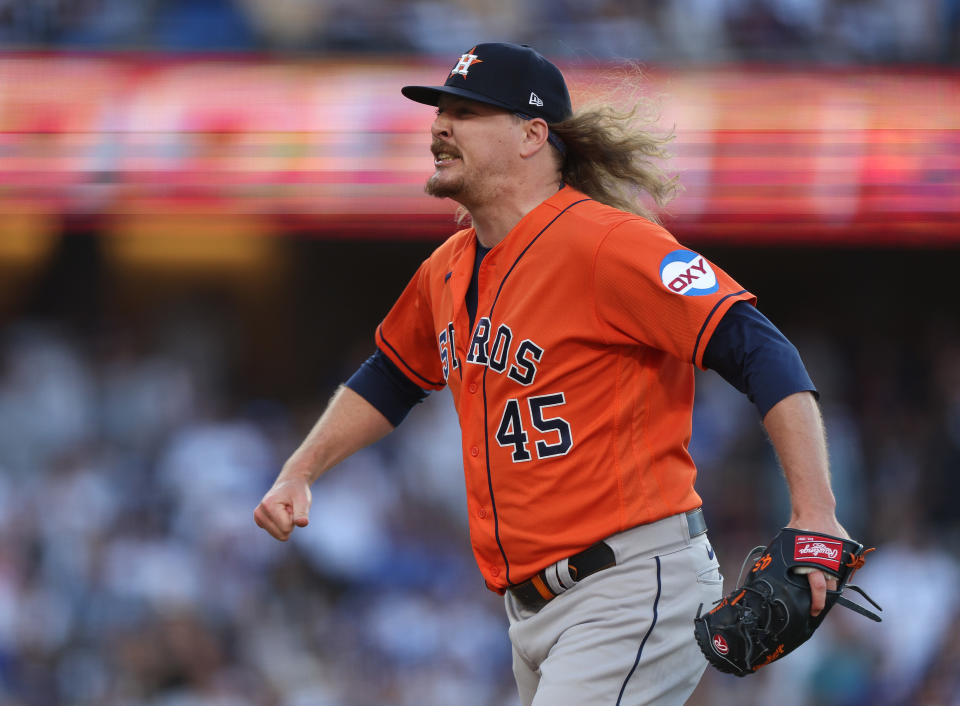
(624, 635)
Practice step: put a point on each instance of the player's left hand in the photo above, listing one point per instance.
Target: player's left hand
(767, 616)
(820, 582)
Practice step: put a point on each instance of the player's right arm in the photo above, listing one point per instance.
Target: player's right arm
(365, 409)
(349, 424)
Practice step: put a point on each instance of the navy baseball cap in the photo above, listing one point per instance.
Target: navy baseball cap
(510, 76)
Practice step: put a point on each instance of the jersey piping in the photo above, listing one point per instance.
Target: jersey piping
(486, 423)
(405, 364)
(696, 345)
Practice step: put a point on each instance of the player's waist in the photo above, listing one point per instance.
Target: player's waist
(651, 539)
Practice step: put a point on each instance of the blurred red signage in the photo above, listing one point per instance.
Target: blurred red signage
(331, 147)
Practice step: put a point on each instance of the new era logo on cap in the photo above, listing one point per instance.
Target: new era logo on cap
(510, 76)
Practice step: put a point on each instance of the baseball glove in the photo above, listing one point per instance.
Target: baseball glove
(768, 616)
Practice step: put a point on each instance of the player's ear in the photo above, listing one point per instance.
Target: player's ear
(535, 134)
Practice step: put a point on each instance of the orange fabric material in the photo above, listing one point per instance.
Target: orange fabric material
(575, 389)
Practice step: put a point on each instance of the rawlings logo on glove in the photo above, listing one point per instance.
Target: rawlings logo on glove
(818, 550)
(769, 615)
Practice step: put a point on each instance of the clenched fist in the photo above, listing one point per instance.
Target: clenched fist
(285, 506)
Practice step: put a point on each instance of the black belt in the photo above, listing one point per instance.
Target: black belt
(536, 592)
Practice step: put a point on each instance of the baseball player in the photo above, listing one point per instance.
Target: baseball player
(567, 325)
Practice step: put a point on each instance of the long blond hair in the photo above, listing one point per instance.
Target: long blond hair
(613, 155)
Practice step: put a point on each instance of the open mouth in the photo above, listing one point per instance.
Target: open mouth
(442, 159)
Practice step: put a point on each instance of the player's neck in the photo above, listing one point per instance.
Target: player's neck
(494, 219)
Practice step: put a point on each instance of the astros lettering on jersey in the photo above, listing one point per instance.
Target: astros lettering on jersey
(575, 386)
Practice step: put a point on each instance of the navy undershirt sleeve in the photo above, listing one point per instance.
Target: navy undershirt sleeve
(751, 354)
(382, 384)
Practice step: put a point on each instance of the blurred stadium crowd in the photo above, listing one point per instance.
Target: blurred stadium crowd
(131, 572)
(829, 31)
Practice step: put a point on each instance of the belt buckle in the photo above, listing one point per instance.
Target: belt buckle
(548, 583)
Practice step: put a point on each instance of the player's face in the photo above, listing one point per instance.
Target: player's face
(472, 146)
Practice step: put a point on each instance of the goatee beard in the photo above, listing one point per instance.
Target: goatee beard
(436, 187)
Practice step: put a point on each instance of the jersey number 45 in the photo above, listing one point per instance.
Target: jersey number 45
(512, 432)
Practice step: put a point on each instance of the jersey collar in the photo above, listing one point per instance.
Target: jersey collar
(535, 223)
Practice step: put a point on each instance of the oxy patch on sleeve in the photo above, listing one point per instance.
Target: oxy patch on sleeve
(687, 273)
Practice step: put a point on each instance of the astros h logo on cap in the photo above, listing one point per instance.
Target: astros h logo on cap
(463, 66)
(510, 76)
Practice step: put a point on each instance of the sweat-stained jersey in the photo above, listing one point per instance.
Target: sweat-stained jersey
(575, 387)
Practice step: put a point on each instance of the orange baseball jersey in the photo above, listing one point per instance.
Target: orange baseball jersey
(575, 387)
